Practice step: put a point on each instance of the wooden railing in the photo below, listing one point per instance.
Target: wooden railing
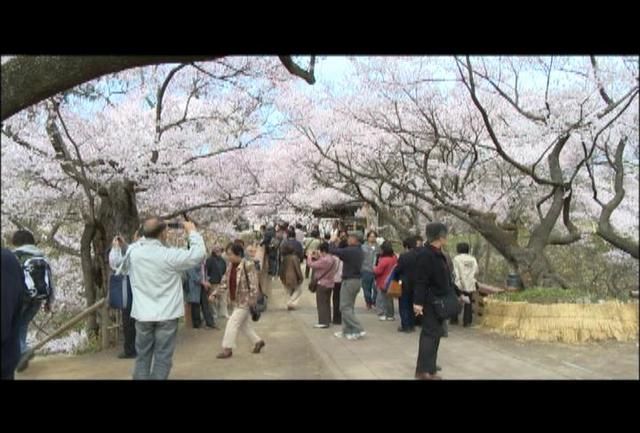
(101, 304)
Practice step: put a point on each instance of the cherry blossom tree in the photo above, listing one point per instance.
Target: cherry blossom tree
(161, 139)
(504, 145)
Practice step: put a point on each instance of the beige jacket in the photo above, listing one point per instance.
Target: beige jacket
(465, 268)
(245, 296)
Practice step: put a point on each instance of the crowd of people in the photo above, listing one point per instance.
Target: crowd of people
(227, 283)
(342, 263)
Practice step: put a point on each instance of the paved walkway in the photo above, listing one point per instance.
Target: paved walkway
(295, 350)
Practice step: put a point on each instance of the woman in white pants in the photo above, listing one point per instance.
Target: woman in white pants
(241, 283)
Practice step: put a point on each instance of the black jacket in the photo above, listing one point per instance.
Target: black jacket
(352, 257)
(406, 269)
(13, 289)
(432, 275)
(215, 267)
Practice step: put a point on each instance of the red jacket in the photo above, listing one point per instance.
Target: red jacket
(383, 269)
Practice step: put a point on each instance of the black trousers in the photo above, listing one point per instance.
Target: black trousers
(129, 331)
(323, 301)
(206, 311)
(432, 331)
(335, 299)
(467, 311)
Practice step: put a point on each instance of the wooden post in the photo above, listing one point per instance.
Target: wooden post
(104, 325)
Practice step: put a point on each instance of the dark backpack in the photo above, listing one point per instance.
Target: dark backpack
(37, 275)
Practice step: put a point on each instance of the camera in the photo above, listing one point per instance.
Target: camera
(175, 225)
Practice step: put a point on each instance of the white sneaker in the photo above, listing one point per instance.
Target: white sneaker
(320, 326)
(382, 318)
(362, 334)
(390, 318)
(338, 335)
(352, 336)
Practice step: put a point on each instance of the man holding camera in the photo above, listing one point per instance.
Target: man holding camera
(155, 271)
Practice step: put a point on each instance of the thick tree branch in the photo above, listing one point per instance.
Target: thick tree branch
(296, 70)
(605, 230)
(27, 80)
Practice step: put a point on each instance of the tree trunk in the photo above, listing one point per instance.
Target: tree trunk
(117, 214)
(529, 262)
(88, 274)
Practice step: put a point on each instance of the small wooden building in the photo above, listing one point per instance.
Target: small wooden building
(354, 214)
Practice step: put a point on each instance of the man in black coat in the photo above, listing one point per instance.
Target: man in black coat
(405, 272)
(432, 280)
(13, 288)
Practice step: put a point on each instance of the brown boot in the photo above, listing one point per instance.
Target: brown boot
(258, 347)
(226, 353)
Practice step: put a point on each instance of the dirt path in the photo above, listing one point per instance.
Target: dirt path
(295, 350)
(287, 355)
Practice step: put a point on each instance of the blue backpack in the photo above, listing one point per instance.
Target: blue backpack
(120, 295)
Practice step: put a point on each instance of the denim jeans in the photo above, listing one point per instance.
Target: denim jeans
(384, 304)
(29, 310)
(155, 341)
(369, 287)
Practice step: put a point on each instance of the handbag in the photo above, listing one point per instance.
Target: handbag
(261, 300)
(395, 289)
(120, 295)
(313, 282)
(447, 307)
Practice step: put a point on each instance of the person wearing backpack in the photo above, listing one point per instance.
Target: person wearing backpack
(38, 281)
(13, 291)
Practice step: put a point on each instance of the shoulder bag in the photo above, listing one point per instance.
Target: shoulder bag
(261, 300)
